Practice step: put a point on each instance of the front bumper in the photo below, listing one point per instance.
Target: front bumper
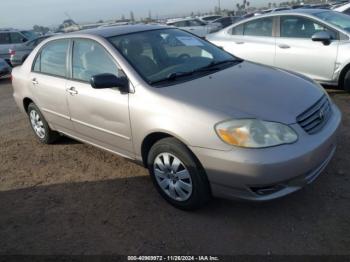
(266, 174)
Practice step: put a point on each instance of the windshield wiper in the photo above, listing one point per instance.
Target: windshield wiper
(173, 77)
(213, 66)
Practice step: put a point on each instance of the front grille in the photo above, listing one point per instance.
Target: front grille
(316, 117)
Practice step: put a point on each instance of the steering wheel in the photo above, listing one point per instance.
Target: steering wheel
(184, 56)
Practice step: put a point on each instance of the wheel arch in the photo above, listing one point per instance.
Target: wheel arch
(342, 75)
(153, 138)
(26, 102)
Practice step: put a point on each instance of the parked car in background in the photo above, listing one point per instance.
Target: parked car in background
(337, 3)
(272, 10)
(227, 21)
(343, 9)
(209, 18)
(19, 53)
(5, 69)
(10, 38)
(312, 42)
(201, 120)
(194, 26)
(29, 34)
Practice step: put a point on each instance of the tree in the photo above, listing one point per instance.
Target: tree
(41, 29)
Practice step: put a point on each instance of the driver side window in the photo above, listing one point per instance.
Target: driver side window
(89, 59)
(300, 27)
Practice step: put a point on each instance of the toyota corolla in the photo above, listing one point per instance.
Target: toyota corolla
(203, 122)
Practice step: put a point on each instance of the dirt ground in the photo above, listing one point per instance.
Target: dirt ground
(71, 198)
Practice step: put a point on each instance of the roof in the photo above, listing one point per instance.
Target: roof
(8, 30)
(174, 20)
(309, 11)
(118, 30)
(302, 11)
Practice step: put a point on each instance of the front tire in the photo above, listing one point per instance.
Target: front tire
(40, 126)
(177, 175)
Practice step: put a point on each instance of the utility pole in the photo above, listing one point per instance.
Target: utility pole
(219, 6)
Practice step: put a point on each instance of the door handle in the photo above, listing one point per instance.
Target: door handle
(239, 43)
(283, 46)
(72, 91)
(35, 82)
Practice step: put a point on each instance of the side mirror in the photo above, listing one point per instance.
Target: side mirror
(24, 39)
(323, 36)
(102, 81)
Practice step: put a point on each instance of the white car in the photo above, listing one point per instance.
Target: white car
(194, 26)
(343, 9)
(311, 42)
(209, 18)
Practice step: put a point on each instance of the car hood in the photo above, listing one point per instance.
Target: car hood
(250, 90)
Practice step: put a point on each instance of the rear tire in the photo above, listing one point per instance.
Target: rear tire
(40, 126)
(177, 175)
(346, 82)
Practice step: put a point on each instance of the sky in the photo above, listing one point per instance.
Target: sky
(26, 13)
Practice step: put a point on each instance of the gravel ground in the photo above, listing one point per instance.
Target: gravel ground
(71, 198)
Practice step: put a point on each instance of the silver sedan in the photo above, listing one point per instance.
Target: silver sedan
(312, 42)
(201, 120)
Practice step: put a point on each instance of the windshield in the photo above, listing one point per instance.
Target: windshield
(29, 35)
(338, 19)
(160, 54)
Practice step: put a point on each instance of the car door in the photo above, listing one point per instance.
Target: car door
(296, 51)
(99, 116)
(5, 44)
(48, 83)
(253, 41)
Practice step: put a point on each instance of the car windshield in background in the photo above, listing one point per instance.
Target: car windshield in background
(167, 55)
(338, 19)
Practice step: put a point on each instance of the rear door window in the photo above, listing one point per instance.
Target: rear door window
(53, 58)
(237, 30)
(258, 27)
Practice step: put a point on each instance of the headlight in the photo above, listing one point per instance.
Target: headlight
(253, 133)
